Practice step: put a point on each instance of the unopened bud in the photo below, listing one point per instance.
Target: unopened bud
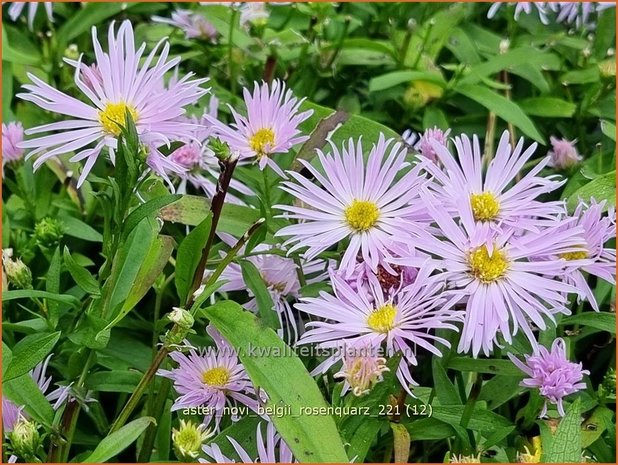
(17, 273)
(25, 438)
(48, 232)
(72, 52)
(181, 317)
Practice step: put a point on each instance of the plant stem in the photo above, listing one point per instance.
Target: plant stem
(469, 408)
(230, 49)
(155, 411)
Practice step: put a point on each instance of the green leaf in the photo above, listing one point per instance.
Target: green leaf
(7, 91)
(586, 76)
(266, 308)
(502, 107)
(600, 188)
(565, 446)
(401, 443)
(445, 390)
(609, 129)
(188, 257)
(426, 429)
(492, 366)
(548, 107)
(116, 442)
(21, 50)
(52, 285)
(388, 80)
(31, 294)
(482, 420)
(113, 381)
(600, 320)
(129, 261)
(274, 367)
(30, 351)
(77, 228)
(244, 432)
(7, 356)
(81, 275)
(24, 391)
(149, 209)
(593, 428)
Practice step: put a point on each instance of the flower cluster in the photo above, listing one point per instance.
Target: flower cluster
(579, 14)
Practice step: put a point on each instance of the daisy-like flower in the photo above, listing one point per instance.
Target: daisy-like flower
(253, 12)
(194, 25)
(362, 201)
(12, 413)
(563, 153)
(581, 14)
(125, 86)
(401, 322)
(594, 258)
(270, 127)
(16, 9)
(503, 277)
(542, 9)
(362, 369)
(432, 135)
(271, 449)
(211, 378)
(12, 136)
(494, 196)
(551, 372)
(280, 274)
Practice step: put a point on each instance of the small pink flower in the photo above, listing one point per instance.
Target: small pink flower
(12, 135)
(432, 135)
(552, 373)
(563, 154)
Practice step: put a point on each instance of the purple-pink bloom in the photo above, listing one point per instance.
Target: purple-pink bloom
(194, 24)
(552, 373)
(432, 136)
(522, 7)
(11, 414)
(594, 258)
(125, 87)
(213, 378)
(362, 369)
(563, 153)
(12, 136)
(16, 9)
(504, 279)
(400, 322)
(270, 127)
(496, 196)
(271, 449)
(364, 202)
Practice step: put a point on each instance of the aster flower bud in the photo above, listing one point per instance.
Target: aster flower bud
(48, 232)
(25, 438)
(72, 52)
(181, 317)
(220, 148)
(607, 68)
(564, 153)
(609, 382)
(188, 440)
(17, 273)
(12, 136)
(429, 137)
(504, 46)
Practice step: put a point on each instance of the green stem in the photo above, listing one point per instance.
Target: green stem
(230, 50)
(469, 409)
(155, 411)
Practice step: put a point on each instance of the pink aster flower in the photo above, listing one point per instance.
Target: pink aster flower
(400, 322)
(360, 201)
(212, 378)
(11, 413)
(563, 153)
(126, 86)
(280, 275)
(271, 449)
(504, 282)
(581, 14)
(523, 7)
(552, 373)
(429, 137)
(16, 9)
(270, 127)
(194, 25)
(495, 196)
(594, 258)
(12, 136)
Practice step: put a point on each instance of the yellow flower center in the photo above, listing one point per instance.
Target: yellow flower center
(487, 268)
(574, 255)
(382, 319)
(218, 376)
(261, 141)
(112, 118)
(485, 206)
(362, 215)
